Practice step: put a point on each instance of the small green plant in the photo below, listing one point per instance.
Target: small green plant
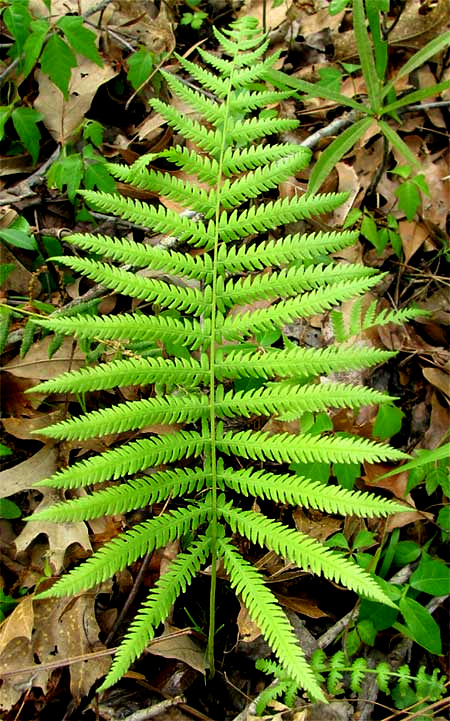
(53, 43)
(382, 104)
(403, 686)
(203, 315)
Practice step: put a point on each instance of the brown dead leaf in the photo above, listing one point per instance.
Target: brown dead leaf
(22, 476)
(304, 606)
(20, 278)
(395, 484)
(348, 183)
(249, 631)
(60, 535)
(315, 524)
(61, 117)
(37, 364)
(439, 423)
(181, 647)
(398, 520)
(25, 427)
(439, 379)
(413, 236)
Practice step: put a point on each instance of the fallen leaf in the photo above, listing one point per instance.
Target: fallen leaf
(61, 117)
(304, 606)
(413, 236)
(38, 365)
(25, 428)
(249, 631)
(22, 476)
(60, 535)
(315, 524)
(181, 647)
(348, 183)
(439, 379)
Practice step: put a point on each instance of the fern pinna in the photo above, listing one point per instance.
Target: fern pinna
(200, 305)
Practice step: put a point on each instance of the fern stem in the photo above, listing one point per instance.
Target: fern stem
(212, 381)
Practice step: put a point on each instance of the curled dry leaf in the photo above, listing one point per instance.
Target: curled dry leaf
(60, 535)
(39, 366)
(22, 476)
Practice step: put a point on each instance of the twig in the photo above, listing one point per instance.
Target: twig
(131, 597)
(155, 710)
(330, 129)
(23, 190)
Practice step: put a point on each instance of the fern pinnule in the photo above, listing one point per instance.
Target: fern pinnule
(210, 367)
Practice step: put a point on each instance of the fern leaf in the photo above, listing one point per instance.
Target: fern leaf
(157, 608)
(204, 167)
(130, 327)
(300, 491)
(132, 415)
(128, 459)
(145, 256)
(291, 281)
(207, 79)
(305, 551)
(127, 497)
(305, 448)
(129, 371)
(160, 219)
(284, 312)
(297, 399)
(115, 555)
(291, 248)
(205, 139)
(298, 362)
(256, 156)
(264, 610)
(168, 295)
(266, 217)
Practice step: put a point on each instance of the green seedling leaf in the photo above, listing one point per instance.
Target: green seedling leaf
(443, 521)
(418, 59)
(140, 67)
(423, 457)
(57, 62)
(80, 38)
(17, 19)
(366, 57)
(346, 474)
(408, 198)
(417, 96)
(282, 81)
(5, 451)
(432, 576)
(420, 625)
(96, 175)
(335, 151)
(367, 631)
(93, 131)
(9, 509)
(406, 552)
(67, 173)
(5, 270)
(370, 231)
(337, 6)
(5, 113)
(395, 140)
(34, 44)
(388, 422)
(25, 121)
(18, 238)
(5, 317)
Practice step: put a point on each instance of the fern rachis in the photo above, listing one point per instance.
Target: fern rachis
(206, 319)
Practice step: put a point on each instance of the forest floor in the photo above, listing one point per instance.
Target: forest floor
(53, 653)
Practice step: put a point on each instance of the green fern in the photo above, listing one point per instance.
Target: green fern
(392, 682)
(207, 296)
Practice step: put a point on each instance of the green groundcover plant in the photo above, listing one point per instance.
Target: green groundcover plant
(213, 381)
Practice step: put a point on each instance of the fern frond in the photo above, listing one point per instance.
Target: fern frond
(168, 295)
(361, 320)
(300, 491)
(157, 607)
(256, 156)
(305, 448)
(255, 182)
(297, 362)
(295, 399)
(227, 68)
(205, 139)
(258, 219)
(135, 493)
(128, 459)
(276, 316)
(160, 219)
(304, 551)
(291, 281)
(145, 256)
(280, 252)
(130, 327)
(204, 167)
(132, 415)
(115, 555)
(212, 111)
(186, 372)
(264, 610)
(208, 80)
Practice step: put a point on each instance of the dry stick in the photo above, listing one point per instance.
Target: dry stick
(158, 708)
(131, 596)
(25, 187)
